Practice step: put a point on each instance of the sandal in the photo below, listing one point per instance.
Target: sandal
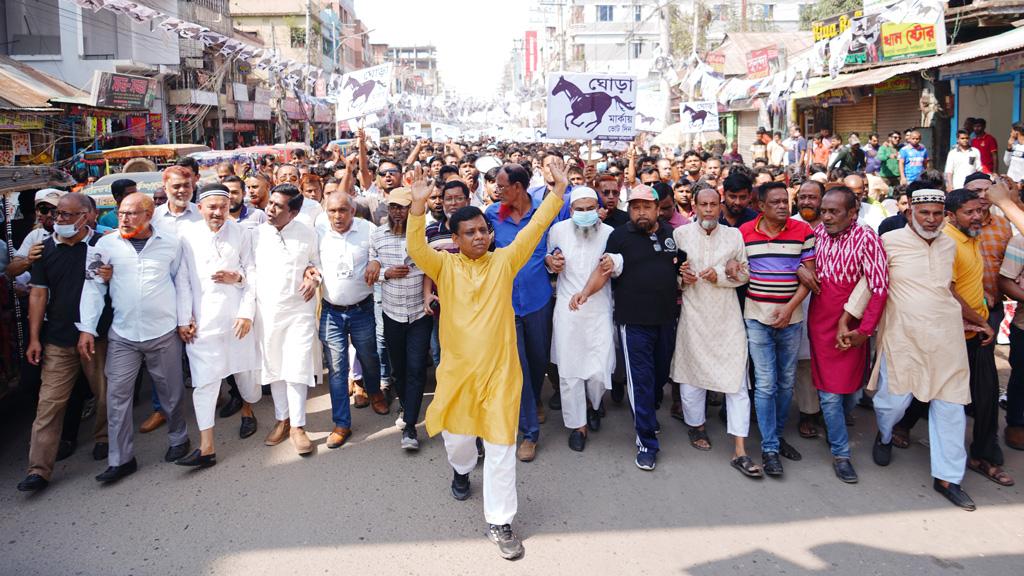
(900, 438)
(807, 429)
(990, 471)
(747, 467)
(698, 435)
(676, 411)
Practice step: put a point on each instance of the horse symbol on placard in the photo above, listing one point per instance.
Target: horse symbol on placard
(582, 103)
(695, 115)
(362, 90)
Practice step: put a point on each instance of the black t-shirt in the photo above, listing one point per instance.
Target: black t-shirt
(61, 269)
(616, 218)
(645, 292)
(892, 223)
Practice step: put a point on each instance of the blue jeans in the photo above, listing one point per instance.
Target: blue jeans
(408, 343)
(832, 409)
(336, 328)
(534, 343)
(435, 341)
(774, 354)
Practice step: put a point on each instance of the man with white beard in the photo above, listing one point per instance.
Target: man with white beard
(221, 303)
(583, 306)
(715, 265)
(284, 249)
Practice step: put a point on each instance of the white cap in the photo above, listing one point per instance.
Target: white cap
(581, 192)
(49, 195)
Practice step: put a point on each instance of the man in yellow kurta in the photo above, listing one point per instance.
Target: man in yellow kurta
(478, 394)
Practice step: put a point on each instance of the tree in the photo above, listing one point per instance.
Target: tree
(823, 9)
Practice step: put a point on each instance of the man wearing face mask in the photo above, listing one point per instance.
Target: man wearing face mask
(147, 272)
(585, 365)
(58, 276)
(716, 264)
(220, 300)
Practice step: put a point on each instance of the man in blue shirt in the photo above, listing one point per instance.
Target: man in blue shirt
(531, 296)
(913, 158)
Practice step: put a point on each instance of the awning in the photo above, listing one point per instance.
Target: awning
(26, 87)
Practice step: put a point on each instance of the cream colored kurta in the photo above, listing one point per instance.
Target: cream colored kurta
(286, 324)
(581, 340)
(921, 331)
(216, 353)
(479, 381)
(711, 338)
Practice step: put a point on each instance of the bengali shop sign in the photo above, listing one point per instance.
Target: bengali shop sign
(112, 90)
(901, 40)
(762, 62)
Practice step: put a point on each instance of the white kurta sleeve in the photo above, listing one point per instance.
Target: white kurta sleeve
(90, 307)
(180, 272)
(737, 252)
(247, 306)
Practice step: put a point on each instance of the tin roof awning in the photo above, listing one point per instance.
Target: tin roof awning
(26, 87)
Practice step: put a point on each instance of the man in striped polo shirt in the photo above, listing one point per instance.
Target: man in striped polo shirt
(777, 246)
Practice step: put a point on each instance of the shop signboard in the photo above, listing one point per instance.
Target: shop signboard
(262, 95)
(113, 90)
(240, 92)
(895, 85)
(762, 62)
(716, 60)
(835, 97)
(862, 47)
(913, 40)
(20, 122)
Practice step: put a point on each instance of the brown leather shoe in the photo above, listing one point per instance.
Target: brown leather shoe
(527, 451)
(541, 416)
(359, 397)
(379, 403)
(278, 434)
(354, 385)
(1014, 436)
(338, 437)
(301, 442)
(155, 420)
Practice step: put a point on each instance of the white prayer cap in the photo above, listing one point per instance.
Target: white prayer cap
(581, 192)
(819, 177)
(928, 196)
(214, 189)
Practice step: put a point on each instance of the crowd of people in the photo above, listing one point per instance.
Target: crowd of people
(653, 277)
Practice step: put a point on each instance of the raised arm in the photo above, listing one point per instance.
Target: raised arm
(428, 259)
(365, 178)
(526, 241)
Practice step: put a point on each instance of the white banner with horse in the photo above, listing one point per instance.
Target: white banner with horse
(695, 117)
(591, 106)
(363, 92)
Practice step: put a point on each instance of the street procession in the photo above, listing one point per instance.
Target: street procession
(652, 287)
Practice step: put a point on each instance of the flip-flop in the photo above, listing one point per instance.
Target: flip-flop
(808, 430)
(696, 435)
(993, 473)
(900, 438)
(747, 467)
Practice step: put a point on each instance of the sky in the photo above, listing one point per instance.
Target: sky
(473, 37)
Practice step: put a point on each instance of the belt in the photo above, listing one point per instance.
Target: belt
(368, 301)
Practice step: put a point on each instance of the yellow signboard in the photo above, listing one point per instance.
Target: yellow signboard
(902, 40)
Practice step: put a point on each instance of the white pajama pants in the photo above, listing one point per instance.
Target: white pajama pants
(204, 396)
(289, 402)
(355, 370)
(947, 424)
(500, 500)
(574, 393)
(737, 406)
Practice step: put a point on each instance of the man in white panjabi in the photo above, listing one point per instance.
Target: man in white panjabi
(581, 343)
(221, 302)
(711, 339)
(284, 249)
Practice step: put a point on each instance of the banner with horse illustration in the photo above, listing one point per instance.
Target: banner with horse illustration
(591, 106)
(363, 92)
(697, 117)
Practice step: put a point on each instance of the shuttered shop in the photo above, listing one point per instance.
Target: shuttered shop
(747, 132)
(859, 118)
(897, 112)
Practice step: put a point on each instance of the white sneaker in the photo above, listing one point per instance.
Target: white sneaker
(409, 442)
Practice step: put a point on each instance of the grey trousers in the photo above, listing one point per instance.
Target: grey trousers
(163, 361)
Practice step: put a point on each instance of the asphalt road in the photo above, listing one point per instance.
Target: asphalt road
(369, 508)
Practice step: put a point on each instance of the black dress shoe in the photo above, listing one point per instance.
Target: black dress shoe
(177, 452)
(460, 486)
(33, 483)
(197, 459)
(788, 451)
(771, 464)
(844, 470)
(233, 405)
(248, 427)
(577, 441)
(100, 451)
(65, 449)
(555, 402)
(618, 391)
(115, 473)
(881, 453)
(593, 419)
(955, 494)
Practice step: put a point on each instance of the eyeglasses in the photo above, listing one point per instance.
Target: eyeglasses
(44, 209)
(67, 215)
(387, 171)
(125, 214)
